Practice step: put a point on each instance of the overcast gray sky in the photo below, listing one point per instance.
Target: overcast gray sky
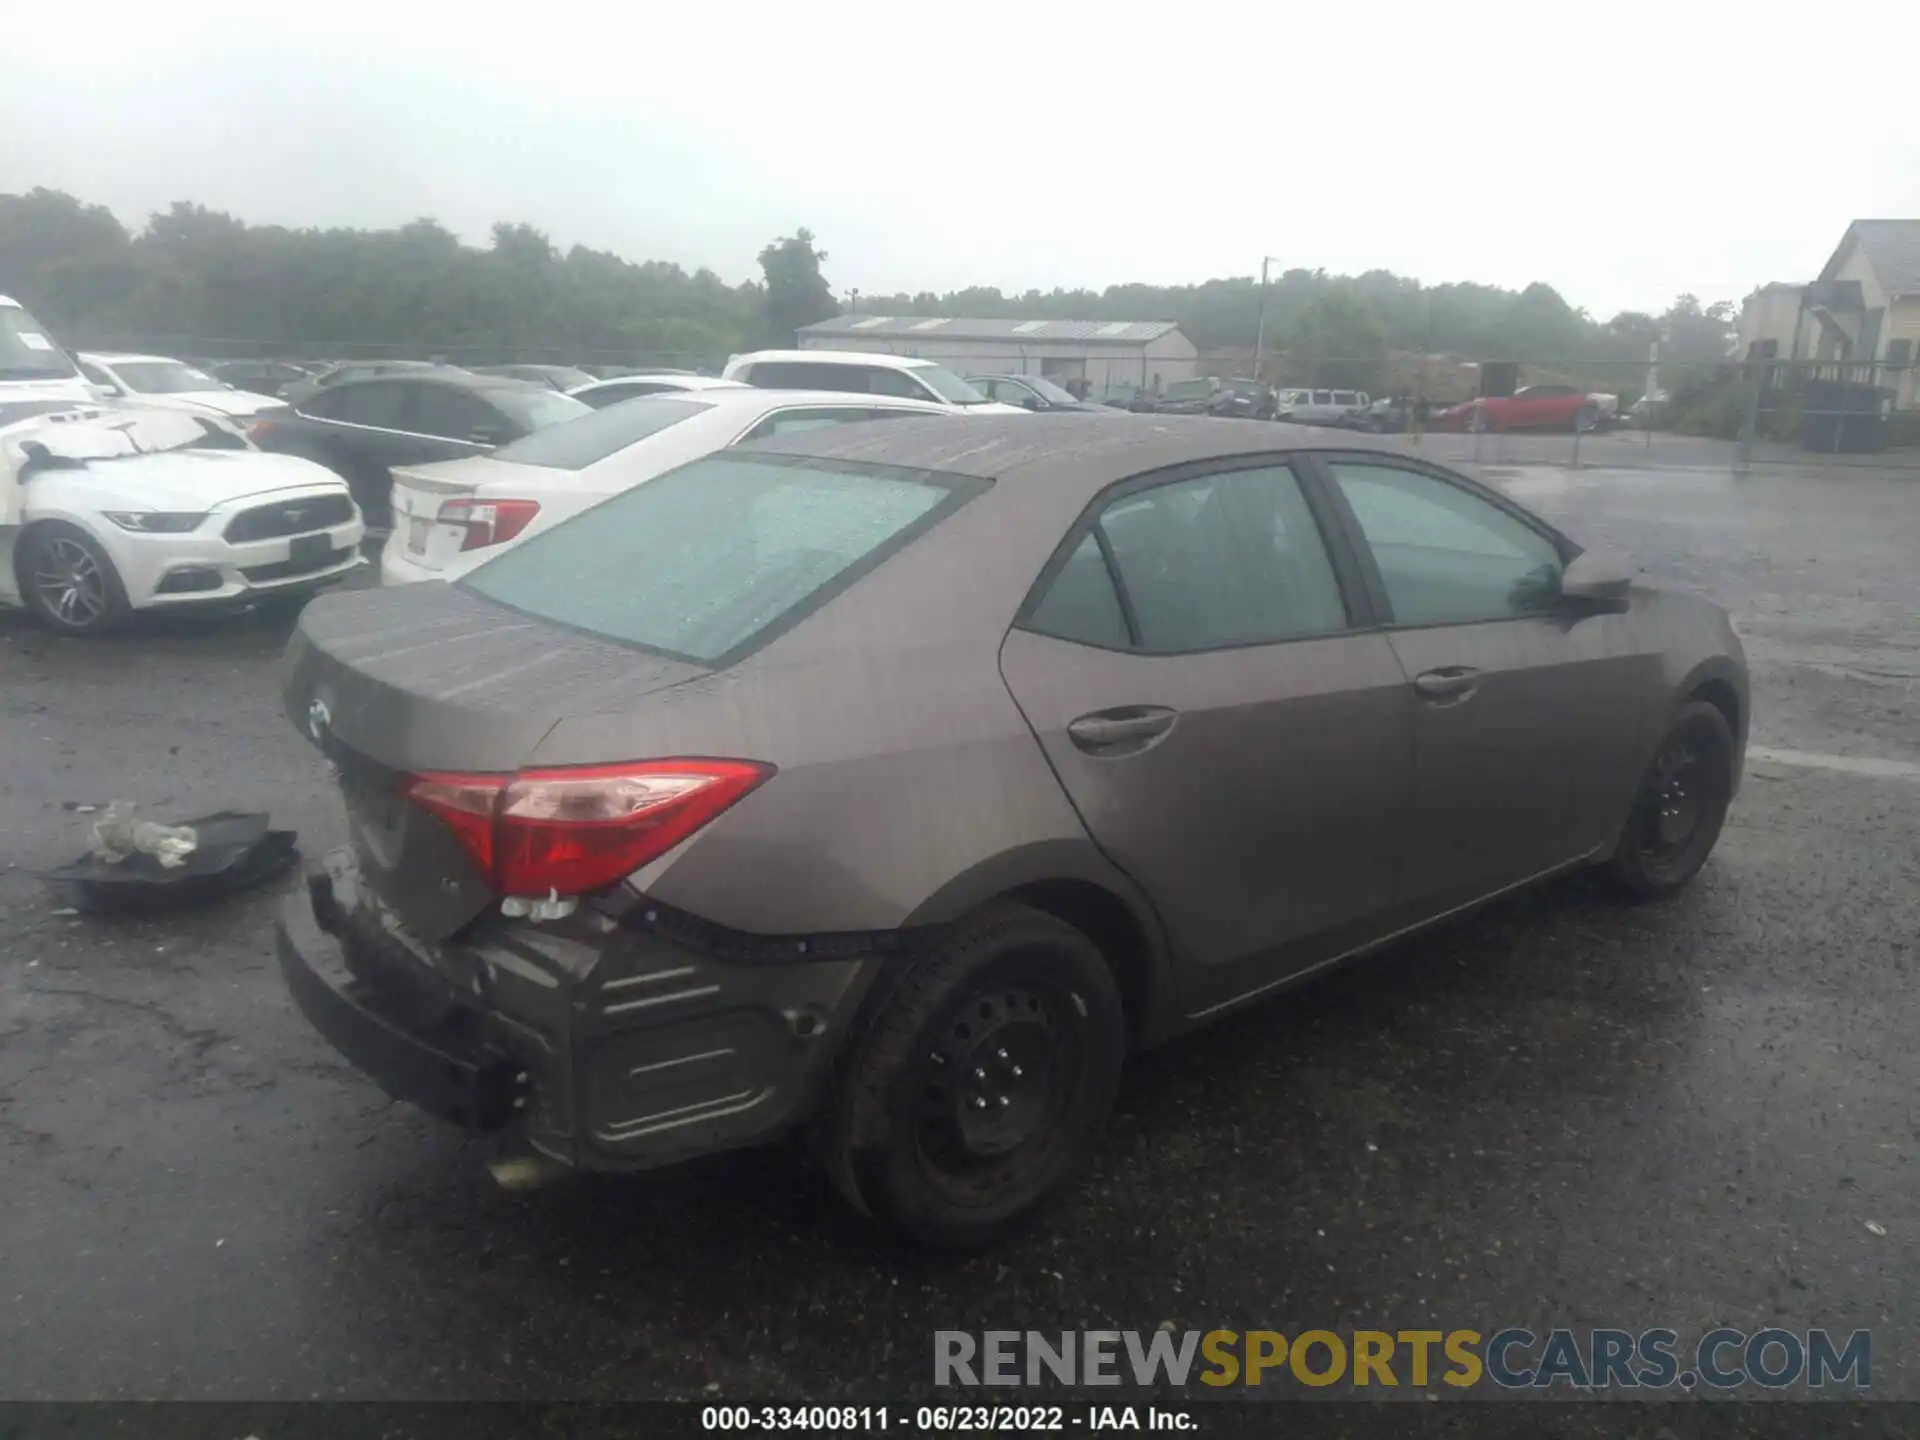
(1621, 152)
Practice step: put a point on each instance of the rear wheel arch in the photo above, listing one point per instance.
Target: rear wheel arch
(1076, 884)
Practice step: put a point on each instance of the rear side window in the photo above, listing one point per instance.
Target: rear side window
(599, 433)
(1081, 604)
(450, 413)
(1233, 558)
(379, 403)
(713, 560)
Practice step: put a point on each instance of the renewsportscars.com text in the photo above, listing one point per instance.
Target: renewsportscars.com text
(1514, 1358)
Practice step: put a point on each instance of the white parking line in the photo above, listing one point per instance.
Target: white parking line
(1850, 764)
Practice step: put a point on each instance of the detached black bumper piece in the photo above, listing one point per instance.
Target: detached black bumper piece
(448, 1076)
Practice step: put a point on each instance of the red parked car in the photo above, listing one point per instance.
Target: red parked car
(1535, 407)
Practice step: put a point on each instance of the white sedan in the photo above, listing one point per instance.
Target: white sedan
(155, 382)
(106, 513)
(455, 515)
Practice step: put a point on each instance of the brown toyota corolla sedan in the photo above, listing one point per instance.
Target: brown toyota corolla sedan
(890, 783)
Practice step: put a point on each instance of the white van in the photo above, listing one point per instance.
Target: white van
(904, 377)
(1319, 407)
(29, 359)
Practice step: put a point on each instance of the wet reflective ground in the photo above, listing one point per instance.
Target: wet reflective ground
(1559, 1112)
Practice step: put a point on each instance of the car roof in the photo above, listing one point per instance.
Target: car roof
(449, 375)
(748, 400)
(671, 377)
(1077, 450)
(110, 357)
(832, 357)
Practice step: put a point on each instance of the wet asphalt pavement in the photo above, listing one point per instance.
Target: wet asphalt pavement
(1560, 1112)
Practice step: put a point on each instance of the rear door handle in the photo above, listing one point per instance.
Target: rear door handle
(1453, 682)
(1121, 730)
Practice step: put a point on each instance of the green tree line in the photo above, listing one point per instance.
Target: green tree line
(201, 278)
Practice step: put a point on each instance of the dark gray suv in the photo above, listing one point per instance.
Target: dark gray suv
(890, 783)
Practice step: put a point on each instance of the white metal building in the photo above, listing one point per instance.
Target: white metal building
(1101, 352)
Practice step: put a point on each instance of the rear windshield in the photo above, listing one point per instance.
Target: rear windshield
(714, 559)
(596, 434)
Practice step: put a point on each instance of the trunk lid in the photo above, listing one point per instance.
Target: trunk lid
(391, 683)
(420, 490)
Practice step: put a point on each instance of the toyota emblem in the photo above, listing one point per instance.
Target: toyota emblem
(319, 717)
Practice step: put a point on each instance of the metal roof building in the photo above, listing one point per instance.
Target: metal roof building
(1104, 353)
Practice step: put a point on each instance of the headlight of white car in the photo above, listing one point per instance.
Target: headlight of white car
(155, 522)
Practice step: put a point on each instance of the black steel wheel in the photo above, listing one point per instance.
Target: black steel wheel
(1680, 808)
(68, 581)
(977, 1084)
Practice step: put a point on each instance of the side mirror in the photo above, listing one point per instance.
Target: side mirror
(1031, 401)
(1598, 580)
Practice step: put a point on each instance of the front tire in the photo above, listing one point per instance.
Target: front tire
(67, 580)
(977, 1085)
(1680, 808)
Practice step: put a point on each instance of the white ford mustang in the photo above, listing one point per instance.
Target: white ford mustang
(106, 512)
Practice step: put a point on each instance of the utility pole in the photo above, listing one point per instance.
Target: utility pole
(1260, 330)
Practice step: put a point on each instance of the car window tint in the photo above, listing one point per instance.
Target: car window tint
(786, 422)
(897, 383)
(792, 375)
(597, 434)
(1227, 559)
(714, 558)
(1081, 603)
(451, 414)
(1445, 555)
(378, 403)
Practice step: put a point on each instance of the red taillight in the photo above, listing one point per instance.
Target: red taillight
(488, 522)
(575, 830)
(260, 429)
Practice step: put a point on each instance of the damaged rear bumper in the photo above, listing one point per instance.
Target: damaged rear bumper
(615, 1040)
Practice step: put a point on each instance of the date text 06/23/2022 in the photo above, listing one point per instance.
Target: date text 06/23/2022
(944, 1419)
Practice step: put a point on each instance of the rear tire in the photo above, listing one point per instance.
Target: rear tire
(1679, 809)
(67, 580)
(977, 1084)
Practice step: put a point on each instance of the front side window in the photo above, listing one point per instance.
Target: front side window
(1233, 558)
(715, 558)
(897, 383)
(1445, 555)
(944, 384)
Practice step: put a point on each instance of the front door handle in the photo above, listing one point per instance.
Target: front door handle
(1454, 682)
(1121, 730)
